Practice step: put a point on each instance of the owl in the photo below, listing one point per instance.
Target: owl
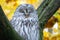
(25, 22)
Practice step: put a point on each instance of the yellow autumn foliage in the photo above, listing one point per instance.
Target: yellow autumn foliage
(9, 6)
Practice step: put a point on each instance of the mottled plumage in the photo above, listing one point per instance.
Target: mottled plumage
(25, 22)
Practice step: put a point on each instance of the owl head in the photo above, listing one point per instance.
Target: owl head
(25, 10)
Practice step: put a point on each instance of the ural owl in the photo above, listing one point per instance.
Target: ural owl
(25, 22)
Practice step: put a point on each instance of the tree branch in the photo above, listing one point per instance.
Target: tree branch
(49, 11)
(43, 6)
(45, 12)
(6, 30)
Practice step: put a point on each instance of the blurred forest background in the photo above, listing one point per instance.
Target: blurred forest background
(52, 28)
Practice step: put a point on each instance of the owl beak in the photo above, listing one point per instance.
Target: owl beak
(27, 15)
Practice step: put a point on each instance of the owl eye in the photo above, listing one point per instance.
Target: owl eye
(21, 11)
(30, 11)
